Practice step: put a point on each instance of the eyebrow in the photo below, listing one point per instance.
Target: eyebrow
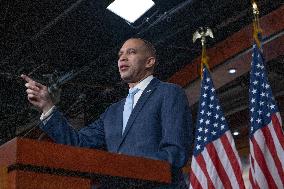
(127, 50)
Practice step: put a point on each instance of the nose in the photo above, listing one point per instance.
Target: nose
(123, 57)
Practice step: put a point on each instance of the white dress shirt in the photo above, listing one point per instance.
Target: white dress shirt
(141, 86)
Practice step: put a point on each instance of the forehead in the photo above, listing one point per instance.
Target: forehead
(132, 43)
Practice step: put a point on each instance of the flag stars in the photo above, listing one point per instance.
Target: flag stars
(217, 107)
(212, 98)
(207, 122)
(201, 120)
(262, 85)
(206, 131)
(255, 82)
(204, 95)
(198, 147)
(203, 104)
(205, 139)
(209, 113)
(207, 79)
(252, 100)
(198, 138)
(259, 112)
(210, 106)
(222, 127)
(213, 132)
(253, 91)
(222, 118)
(216, 116)
(262, 94)
(202, 112)
(272, 106)
(200, 129)
(262, 67)
(212, 90)
(258, 120)
(215, 124)
(261, 103)
(205, 87)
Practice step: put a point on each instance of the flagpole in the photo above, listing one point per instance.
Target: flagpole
(202, 33)
(256, 24)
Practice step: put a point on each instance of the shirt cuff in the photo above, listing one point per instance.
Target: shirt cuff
(45, 117)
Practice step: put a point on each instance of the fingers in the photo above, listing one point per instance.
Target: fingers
(26, 78)
(31, 84)
(32, 92)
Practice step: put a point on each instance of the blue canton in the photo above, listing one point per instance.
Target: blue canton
(262, 103)
(211, 123)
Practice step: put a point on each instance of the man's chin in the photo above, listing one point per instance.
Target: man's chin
(126, 79)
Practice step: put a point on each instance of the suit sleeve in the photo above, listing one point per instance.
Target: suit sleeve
(176, 128)
(60, 130)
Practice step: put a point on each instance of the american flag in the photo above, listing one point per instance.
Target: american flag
(215, 162)
(266, 134)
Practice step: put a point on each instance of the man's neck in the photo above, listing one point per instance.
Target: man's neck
(131, 85)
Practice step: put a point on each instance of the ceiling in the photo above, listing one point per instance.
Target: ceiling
(76, 42)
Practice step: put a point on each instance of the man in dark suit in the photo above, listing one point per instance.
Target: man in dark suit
(158, 124)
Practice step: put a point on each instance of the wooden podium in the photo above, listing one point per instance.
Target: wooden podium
(31, 164)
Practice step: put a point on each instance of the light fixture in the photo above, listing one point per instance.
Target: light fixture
(232, 70)
(130, 10)
(236, 133)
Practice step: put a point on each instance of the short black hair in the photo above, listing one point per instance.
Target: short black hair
(149, 47)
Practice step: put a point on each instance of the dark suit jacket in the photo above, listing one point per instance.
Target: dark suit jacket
(159, 126)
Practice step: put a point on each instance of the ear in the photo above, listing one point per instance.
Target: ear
(151, 61)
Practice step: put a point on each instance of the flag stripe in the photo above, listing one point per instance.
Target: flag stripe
(270, 143)
(223, 156)
(279, 152)
(254, 185)
(194, 181)
(232, 156)
(212, 170)
(260, 159)
(218, 165)
(278, 129)
(196, 170)
(258, 177)
(200, 160)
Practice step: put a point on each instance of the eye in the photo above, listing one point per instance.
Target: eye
(131, 51)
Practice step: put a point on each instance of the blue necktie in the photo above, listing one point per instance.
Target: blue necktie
(128, 106)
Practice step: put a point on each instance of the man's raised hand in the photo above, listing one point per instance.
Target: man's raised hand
(38, 94)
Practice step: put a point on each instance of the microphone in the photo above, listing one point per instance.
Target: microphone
(54, 89)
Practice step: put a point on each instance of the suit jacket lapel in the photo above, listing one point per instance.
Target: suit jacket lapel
(142, 100)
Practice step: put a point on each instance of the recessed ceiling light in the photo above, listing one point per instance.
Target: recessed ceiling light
(236, 133)
(130, 10)
(232, 70)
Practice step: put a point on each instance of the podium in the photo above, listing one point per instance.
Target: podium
(32, 164)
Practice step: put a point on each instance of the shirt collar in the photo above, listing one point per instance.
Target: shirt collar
(144, 83)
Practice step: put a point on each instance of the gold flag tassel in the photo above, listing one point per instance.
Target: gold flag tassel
(202, 33)
(204, 60)
(256, 25)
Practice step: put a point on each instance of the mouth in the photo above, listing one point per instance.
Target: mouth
(123, 68)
